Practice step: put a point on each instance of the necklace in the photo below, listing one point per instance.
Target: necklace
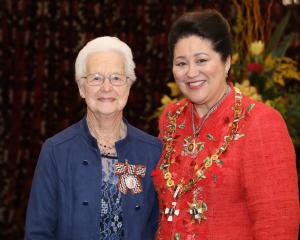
(210, 111)
(183, 186)
(107, 149)
(191, 147)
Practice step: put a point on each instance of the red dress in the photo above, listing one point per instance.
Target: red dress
(249, 191)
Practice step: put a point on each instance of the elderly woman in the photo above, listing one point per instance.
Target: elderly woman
(93, 179)
(227, 170)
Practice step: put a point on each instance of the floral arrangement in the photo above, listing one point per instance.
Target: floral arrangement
(264, 72)
(261, 71)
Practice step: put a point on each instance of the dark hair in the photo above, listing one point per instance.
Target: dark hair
(208, 24)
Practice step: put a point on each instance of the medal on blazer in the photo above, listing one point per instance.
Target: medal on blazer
(130, 177)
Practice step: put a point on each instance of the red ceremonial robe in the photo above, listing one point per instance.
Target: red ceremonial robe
(249, 192)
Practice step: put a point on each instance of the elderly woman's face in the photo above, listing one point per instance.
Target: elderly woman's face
(105, 99)
(199, 71)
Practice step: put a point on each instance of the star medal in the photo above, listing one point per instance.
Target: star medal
(191, 147)
(197, 208)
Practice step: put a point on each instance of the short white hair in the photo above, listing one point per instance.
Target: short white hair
(104, 44)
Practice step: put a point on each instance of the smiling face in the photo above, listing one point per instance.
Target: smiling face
(105, 99)
(199, 71)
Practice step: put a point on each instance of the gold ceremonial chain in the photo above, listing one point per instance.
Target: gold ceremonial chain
(183, 187)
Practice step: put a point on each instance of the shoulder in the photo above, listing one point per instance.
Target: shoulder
(261, 112)
(55, 150)
(265, 122)
(174, 106)
(170, 109)
(143, 137)
(67, 135)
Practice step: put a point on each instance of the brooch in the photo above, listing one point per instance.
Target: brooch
(129, 177)
(197, 209)
(172, 211)
(191, 147)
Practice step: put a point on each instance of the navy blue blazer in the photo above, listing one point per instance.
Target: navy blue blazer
(66, 190)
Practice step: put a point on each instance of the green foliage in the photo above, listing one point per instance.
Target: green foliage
(275, 39)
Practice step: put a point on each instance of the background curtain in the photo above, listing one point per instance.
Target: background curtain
(39, 41)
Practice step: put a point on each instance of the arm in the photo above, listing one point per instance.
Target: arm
(153, 219)
(270, 178)
(41, 217)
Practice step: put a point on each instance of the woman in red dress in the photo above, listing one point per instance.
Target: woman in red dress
(228, 170)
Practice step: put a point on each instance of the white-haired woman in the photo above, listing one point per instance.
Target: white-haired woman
(93, 179)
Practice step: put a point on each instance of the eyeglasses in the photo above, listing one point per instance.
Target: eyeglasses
(97, 79)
